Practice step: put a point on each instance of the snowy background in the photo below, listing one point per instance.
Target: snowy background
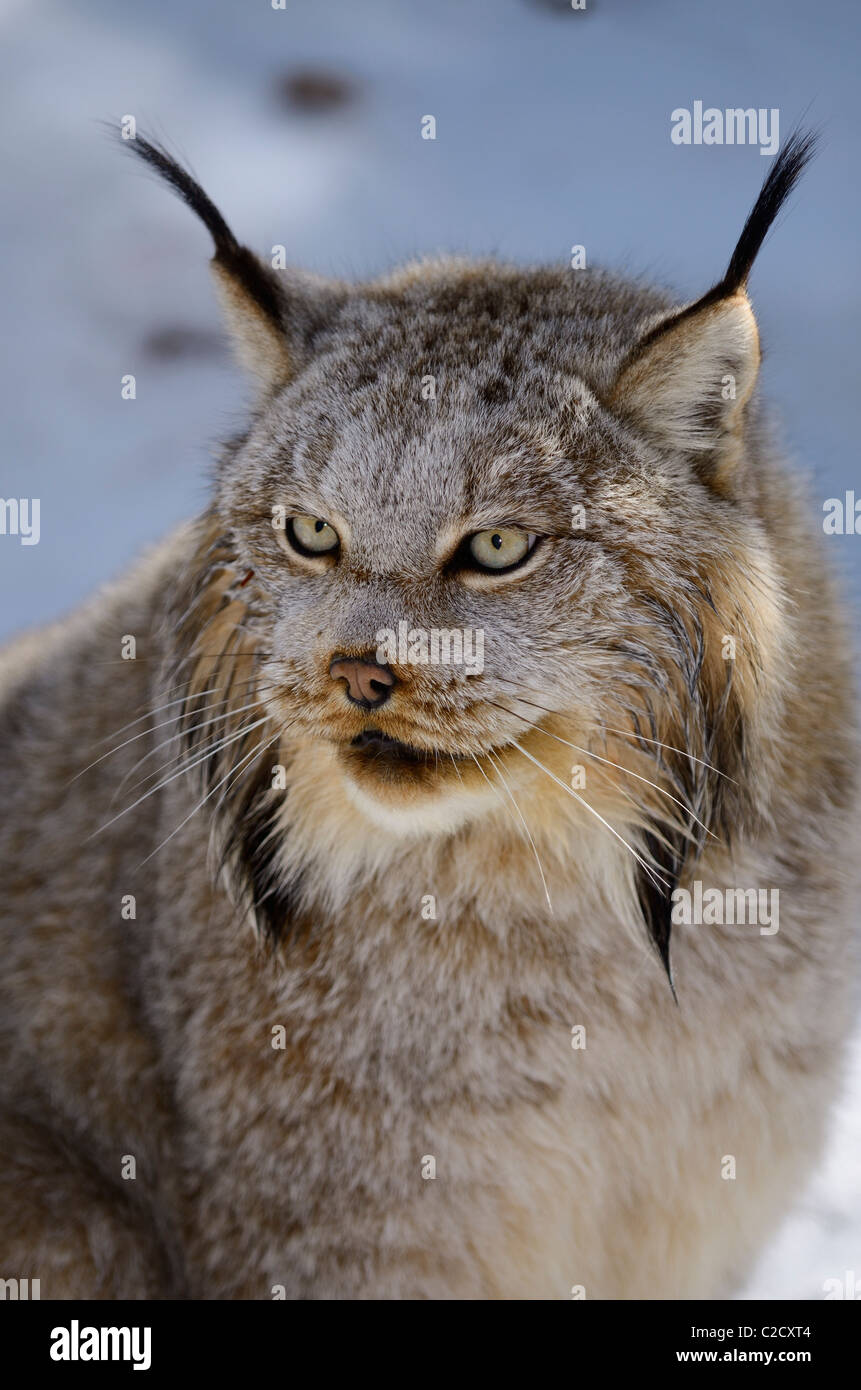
(303, 125)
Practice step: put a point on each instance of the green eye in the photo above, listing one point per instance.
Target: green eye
(501, 548)
(310, 535)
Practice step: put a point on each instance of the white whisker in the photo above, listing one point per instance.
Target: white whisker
(134, 738)
(610, 763)
(629, 733)
(180, 733)
(653, 874)
(236, 769)
(159, 709)
(525, 827)
(187, 768)
(625, 733)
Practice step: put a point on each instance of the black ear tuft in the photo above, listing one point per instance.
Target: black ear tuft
(188, 189)
(240, 264)
(672, 380)
(794, 155)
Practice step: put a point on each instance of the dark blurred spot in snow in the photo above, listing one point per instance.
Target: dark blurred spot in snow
(561, 7)
(315, 92)
(185, 341)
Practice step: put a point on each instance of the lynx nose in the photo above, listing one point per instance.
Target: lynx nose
(368, 683)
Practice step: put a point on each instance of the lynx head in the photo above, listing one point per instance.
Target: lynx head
(492, 532)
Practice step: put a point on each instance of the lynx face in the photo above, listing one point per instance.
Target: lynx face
(447, 519)
(534, 463)
(607, 575)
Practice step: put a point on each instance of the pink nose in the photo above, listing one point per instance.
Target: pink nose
(368, 683)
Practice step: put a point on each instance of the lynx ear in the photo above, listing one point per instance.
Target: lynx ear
(255, 329)
(687, 381)
(265, 325)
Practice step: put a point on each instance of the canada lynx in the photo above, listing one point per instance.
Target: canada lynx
(331, 969)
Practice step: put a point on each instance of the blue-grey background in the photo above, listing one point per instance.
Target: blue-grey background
(553, 128)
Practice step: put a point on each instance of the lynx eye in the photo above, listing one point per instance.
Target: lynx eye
(311, 535)
(501, 548)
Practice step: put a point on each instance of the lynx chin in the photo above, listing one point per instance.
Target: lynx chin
(281, 801)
